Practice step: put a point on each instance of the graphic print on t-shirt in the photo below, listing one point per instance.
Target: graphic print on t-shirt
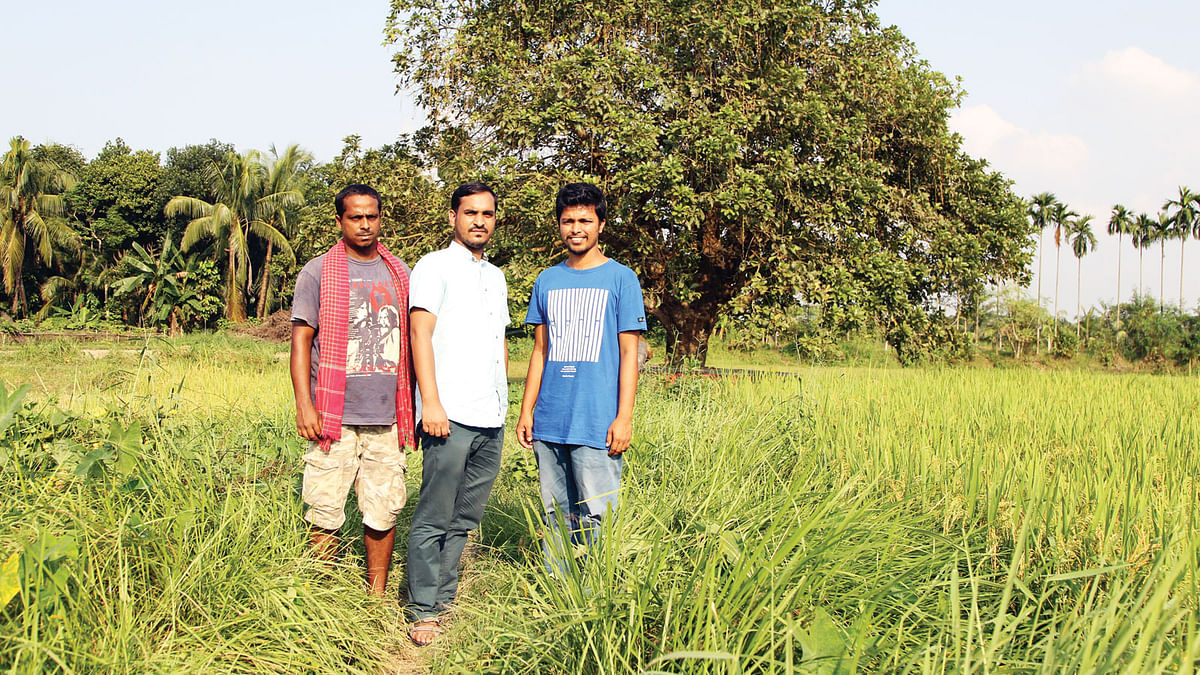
(576, 323)
(373, 345)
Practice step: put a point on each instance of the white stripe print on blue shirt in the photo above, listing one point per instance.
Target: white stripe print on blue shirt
(576, 323)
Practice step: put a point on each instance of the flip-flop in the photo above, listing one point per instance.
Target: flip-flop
(431, 627)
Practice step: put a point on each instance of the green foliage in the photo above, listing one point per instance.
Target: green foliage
(414, 207)
(149, 539)
(117, 200)
(863, 521)
(796, 149)
(165, 280)
(246, 207)
(31, 204)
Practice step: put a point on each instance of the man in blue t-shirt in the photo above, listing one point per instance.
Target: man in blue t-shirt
(577, 412)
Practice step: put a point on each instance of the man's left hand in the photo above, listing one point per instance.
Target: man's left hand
(619, 434)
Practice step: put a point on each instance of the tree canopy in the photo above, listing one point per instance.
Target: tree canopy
(754, 154)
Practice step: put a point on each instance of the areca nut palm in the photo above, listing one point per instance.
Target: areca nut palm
(1061, 217)
(1143, 236)
(1120, 224)
(1184, 222)
(30, 199)
(236, 212)
(1083, 241)
(283, 176)
(1039, 212)
(1163, 230)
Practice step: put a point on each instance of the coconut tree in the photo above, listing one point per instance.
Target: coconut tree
(283, 177)
(1184, 221)
(1120, 224)
(239, 188)
(1083, 241)
(30, 197)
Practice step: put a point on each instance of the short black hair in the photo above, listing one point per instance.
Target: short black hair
(580, 194)
(471, 188)
(339, 202)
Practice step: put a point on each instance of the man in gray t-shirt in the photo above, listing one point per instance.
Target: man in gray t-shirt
(364, 451)
(373, 343)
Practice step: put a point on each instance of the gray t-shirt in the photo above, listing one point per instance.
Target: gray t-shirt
(373, 347)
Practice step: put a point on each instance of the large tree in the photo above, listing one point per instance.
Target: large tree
(238, 211)
(30, 201)
(758, 152)
(117, 200)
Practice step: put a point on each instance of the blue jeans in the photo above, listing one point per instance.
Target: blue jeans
(458, 472)
(579, 487)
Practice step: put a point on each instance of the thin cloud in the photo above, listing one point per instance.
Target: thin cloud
(1136, 70)
(1028, 157)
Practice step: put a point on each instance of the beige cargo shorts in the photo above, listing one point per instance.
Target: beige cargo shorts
(367, 457)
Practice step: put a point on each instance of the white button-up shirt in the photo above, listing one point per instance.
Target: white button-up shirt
(469, 297)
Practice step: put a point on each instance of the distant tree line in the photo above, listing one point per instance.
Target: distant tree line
(184, 241)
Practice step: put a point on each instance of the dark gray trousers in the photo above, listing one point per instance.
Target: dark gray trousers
(457, 477)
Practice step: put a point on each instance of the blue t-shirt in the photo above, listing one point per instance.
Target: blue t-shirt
(583, 311)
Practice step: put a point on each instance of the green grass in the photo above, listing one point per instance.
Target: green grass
(830, 520)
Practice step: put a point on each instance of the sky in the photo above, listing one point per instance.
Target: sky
(1094, 102)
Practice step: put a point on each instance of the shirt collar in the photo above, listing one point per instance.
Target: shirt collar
(461, 250)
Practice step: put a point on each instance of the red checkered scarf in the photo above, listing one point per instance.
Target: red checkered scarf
(334, 319)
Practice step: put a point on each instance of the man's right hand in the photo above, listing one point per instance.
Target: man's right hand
(308, 421)
(434, 420)
(525, 431)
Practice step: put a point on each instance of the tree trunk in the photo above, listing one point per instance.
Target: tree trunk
(1117, 322)
(264, 291)
(1037, 344)
(688, 329)
(1079, 278)
(1181, 243)
(235, 309)
(1162, 266)
(1141, 260)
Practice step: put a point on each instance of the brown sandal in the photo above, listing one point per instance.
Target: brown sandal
(428, 629)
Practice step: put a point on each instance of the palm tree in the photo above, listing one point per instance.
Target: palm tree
(283, 176)
(1061, 217)
(1039, 212)
(236, 212)
(1184, 221)
(1143, 236)
(1163, 230)
(1083, 241)
(30, 203)
(1120, 224)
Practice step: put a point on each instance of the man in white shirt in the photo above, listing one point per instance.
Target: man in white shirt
(458, 310)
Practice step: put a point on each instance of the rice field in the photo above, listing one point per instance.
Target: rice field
(823, 521)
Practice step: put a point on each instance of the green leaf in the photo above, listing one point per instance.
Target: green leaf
(10, 579)
(10, 404)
